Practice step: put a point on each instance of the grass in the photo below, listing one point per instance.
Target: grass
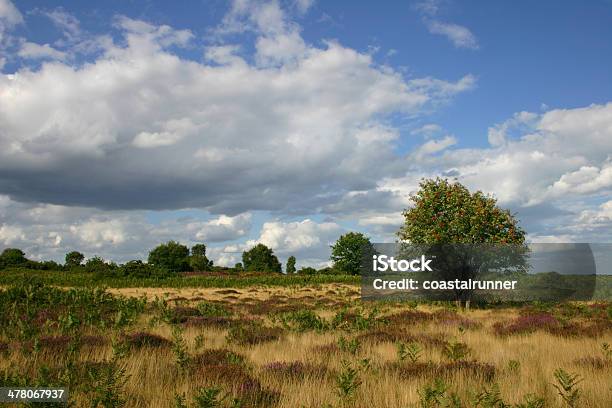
(85, 279)
(299, 346)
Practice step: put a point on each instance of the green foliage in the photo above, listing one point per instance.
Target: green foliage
(412, 351)
(207, 398)
(98, 265)
(12, 257)
(514, 366)
(490, 398)
(238, 267)
(349, 346)
(446, 212)
(80, 278)
(139, 269)
(212, 310)
(198, 260)
(567, 387)
(348, 251)
(532, 401)
(74, 258)
(107, 384)
(260, 258)
(436, 395)
(347, 383)
(355, 320)
(28, 307)
(290, 265)
(307, 270)
(179, 348)
(171, 256)
(456, 350)
(302, 320)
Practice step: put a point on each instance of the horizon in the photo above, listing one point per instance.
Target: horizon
(231, 124)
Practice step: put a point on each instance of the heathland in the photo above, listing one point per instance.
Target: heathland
(299, 344)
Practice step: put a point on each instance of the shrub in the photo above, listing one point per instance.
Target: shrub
(138, 269)
(212, 310)
(303, 320)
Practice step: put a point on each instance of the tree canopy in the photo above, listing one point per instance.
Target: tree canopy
(348, 251)
(446, 212)
(74, 258)
(260, 258)
(290, 264)
(171, 256)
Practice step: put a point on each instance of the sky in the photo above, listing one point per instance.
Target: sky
(131, 123)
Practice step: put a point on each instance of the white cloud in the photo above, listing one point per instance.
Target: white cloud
(460, 36)
(223, 228)
(228, 138)
(9, 18)
(9, 13)
(30, 50)
(434, 146)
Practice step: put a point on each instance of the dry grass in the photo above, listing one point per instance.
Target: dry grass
(299, 369)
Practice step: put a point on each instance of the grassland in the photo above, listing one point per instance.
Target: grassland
(311, 345)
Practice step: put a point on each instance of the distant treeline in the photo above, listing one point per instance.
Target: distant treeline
(173, 259)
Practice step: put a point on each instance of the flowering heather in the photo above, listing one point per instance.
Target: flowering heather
(527, 324)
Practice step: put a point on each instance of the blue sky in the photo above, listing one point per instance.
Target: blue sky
(289, 123)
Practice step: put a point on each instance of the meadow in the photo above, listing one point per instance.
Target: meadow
(299, 345)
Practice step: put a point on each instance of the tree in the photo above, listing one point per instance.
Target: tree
(452, 224)
(260, 258)
(74, 258)
(348, 251)
(290, 265)
(171, 256)
(12, 257)
(198, 260)
(446, 212)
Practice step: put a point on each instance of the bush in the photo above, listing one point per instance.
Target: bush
(307, 271)
(138, 269)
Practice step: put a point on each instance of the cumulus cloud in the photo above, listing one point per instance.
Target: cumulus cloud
(139, 127)
(307, 240)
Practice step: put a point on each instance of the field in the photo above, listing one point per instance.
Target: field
(308, 345)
